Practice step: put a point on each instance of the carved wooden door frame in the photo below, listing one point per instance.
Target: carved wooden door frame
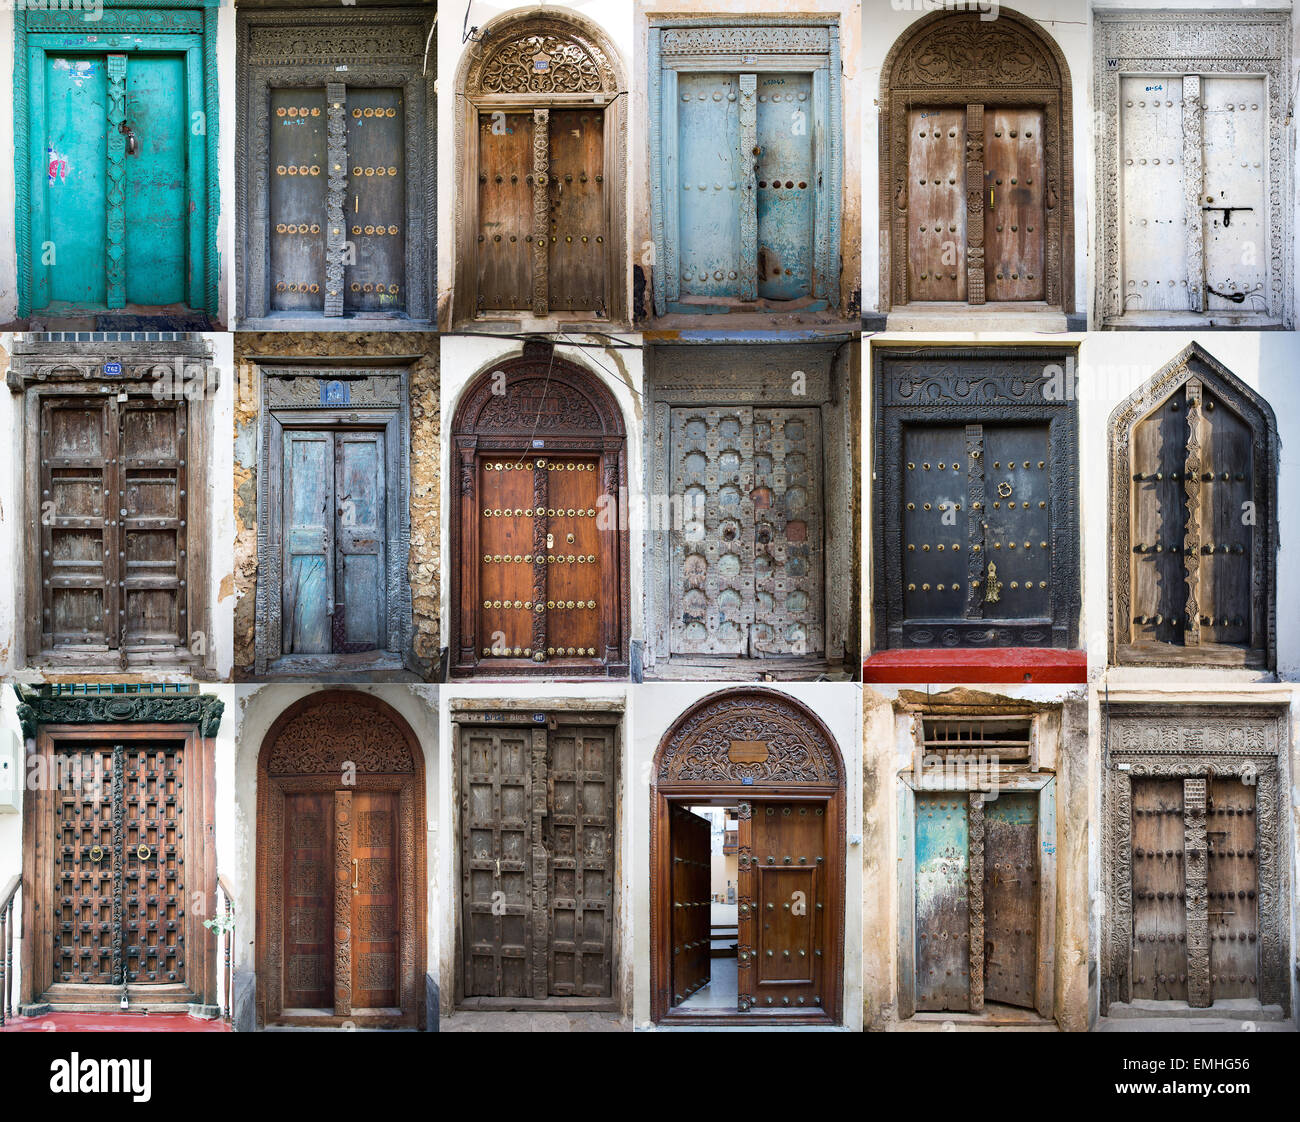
(51, 722)
(1195, 363)
(179, 366)
(905, 84)
(1193, 45)
(317, 392)
(494, 76)
(693, 767)
(1242, 740)
(311, 50)
(598, 429)
(313, 761)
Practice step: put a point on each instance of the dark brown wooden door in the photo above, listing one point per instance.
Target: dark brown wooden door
(505, 211)
(537, 860)
(541, 573)
(1233, 888)
(936, 241)
(576, 262)
(374, 900)
(1014, 214)
(120, 889)
(1159, 891)
(691, 902)
(781, 912)
(299, 180)
(1011, 899)
(309, 901)
(375, 203)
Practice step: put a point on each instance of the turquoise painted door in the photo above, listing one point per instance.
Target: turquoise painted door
(113, 220)
(942, 901)
(786, 186)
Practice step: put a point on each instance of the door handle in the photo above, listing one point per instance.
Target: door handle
(131, 143)
(356, 866)
(498, 867)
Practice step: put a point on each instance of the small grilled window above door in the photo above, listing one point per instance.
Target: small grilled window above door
(1007, 738)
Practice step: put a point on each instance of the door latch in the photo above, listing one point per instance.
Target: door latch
(1227, 212)
(1235, 297)
(131, 143)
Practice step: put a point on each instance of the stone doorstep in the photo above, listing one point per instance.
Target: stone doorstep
(994, 1018)
(973, 320)
(1236, 1009)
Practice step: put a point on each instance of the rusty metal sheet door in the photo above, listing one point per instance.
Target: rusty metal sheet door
(942, 901)
(1233, 889)
(1160, 934)
(1014, 182)
(689, 839)
(1153, 237)
(375, 202)
(936, 204)
(505, 211)
(298, 182)
(1235, 166)
(711, 174)
(786, 185)
(1011, 898)
(576, 264)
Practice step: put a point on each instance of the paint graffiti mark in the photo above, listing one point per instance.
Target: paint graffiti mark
(57, 164)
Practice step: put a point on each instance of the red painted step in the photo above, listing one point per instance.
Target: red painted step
(114, 1022)
(973, 666)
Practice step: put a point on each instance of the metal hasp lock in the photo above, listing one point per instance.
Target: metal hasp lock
(132, 144)
(1227, 210)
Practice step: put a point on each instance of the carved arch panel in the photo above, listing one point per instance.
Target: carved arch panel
(538, 540)
(1192, 576)
(341, 875)
(976, 150)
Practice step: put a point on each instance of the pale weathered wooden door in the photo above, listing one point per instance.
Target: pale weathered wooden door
(1233, 198)
(1011, 899)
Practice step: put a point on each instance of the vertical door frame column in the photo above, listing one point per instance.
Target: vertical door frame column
(1193, 46)
(181, 366)
(695, 763)
(1017, 46)
(1194, 742)
(745, 45)
(493, 77)
(187, 26)
(303, 391)
(50, 721)
(334, 51)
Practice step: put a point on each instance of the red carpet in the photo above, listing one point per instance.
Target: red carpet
(113, 1022)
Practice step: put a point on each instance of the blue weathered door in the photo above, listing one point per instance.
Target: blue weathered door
(360, 510)
(787, 186)
(942, 901)
(712, 180)
(308, 593)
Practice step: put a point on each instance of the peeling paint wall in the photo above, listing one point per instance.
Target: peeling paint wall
(423, 569)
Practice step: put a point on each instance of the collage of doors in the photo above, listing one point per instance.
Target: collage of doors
(649, 514)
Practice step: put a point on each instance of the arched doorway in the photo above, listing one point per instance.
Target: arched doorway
(340, 865)
(538, 537)
(767, 760)
(976, 166)
(541, 141)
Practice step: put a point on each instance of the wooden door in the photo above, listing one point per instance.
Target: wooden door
(936, 204)
(298, 183)
(1232, 883)
(943, 958)
(1014, 219)
(712, 174)
(1011, 899)
(787, 186)
(120, 884)
(1235, 224)
(309, 900)
(375, 202)
(375, 900)
(505, 211)
(1160, 933)
(574, 593)
(308, 536)
(1016, 522)
(1153, 237)
(576, 269)
(781, 911)
(691, 901)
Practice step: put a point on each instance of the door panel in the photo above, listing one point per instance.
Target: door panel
(576, 263)
(1013, 220)
(86, 874)
(374, 918)
(1227, 454)
(786, 186)
(1154, 233)
(942, 901)
(1158, 524)
(573, 585)
(1236, 244)
(578, 835)
(309, 901)
(935, 511)
(497, 839)
(505, 211)
(506, 568)
(360, 611)
(298, 181)
(1159, 891)
(690, 839)
(711, 179)
(1011, 899)
(1017, 537)
(308, 548)
(76, 109)
(156, 224)
(1233, 886)
(375, 203)
(936, 204)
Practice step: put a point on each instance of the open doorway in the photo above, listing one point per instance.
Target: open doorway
(705, 933)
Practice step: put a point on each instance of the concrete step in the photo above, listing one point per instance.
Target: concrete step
(1236, 1009)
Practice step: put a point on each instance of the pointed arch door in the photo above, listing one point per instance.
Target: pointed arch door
(538, 536)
